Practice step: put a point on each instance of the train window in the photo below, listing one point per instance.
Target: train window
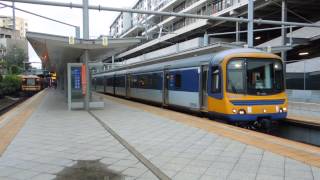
(235, 76)
(177, 82)
(215, 84)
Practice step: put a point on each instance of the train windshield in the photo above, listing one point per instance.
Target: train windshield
(255, 76)
(31, 82)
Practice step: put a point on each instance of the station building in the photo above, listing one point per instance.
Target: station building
(164, 35)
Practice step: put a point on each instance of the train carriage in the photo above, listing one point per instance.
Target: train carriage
(30, 83)
(238, 85)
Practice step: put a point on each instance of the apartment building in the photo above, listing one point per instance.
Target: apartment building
(21, 24)
(9, 40)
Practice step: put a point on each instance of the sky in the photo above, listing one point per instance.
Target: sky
(99, 21)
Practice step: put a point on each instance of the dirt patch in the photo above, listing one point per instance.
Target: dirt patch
(88, 170)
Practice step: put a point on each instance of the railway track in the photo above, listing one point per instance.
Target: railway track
(11, 105)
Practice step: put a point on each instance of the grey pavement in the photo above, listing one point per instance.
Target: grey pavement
(54, 139)
(185, 152)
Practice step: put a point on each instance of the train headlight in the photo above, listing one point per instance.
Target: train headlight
(264, 111)
(242, 111)
(282, 110)
(234, 111)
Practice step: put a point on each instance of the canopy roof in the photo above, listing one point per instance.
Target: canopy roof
(55, 51)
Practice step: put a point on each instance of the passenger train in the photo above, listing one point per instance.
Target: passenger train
(30, 84)
(238, 85)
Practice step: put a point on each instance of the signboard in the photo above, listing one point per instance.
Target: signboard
(71, 40)
(76, 78)
(84, 79)
(105, 41)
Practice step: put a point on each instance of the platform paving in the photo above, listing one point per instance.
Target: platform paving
(185, 152)
(54, 138)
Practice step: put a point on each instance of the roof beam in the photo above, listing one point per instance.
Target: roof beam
(217, 18)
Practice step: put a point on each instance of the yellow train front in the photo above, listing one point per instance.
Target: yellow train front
(30, 84)
(247, 86)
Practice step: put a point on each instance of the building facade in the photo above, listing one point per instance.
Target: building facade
(9, 41)
(21, 24)
(141, 24)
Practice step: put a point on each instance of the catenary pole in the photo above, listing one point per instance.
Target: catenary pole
(250, 23)
(13, 16)
(85, 13)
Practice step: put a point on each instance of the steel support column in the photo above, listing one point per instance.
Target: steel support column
(77, 29)
(112, 60)
(86, 59)
(85, 13)
(13, 16)
(250, 23)
(284, 13)
(237, 32)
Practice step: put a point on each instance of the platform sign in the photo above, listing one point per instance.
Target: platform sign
(105, 41)
(71, 40)
(76, 78)
(54, 76)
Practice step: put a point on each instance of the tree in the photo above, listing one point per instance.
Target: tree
(9, 85)
(14, 59)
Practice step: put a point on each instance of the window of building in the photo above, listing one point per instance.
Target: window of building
(179, 24)
(180, 7)
(8, 36)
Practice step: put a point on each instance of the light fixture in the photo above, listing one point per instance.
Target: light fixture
(303, 53)
(242, 111)
(257, 38)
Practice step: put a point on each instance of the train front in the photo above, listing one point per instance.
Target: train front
(31, 84)
(253, 88)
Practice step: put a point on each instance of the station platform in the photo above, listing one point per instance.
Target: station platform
(304, 113)
(41, 139)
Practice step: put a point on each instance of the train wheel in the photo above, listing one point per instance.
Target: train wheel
(266, 125)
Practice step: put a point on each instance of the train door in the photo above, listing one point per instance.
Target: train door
(128, 80)
(165, 88)
(204, 87)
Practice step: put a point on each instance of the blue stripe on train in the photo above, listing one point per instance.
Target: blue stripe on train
(248, 117)
(257, 102)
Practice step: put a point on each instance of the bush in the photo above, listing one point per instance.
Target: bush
(10, 84)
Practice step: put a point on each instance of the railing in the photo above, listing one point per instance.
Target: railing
(216, 6)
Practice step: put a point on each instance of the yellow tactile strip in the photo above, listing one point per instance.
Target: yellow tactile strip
(16, 122)
(295, 150)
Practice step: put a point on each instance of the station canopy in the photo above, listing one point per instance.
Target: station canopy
(56, 51)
